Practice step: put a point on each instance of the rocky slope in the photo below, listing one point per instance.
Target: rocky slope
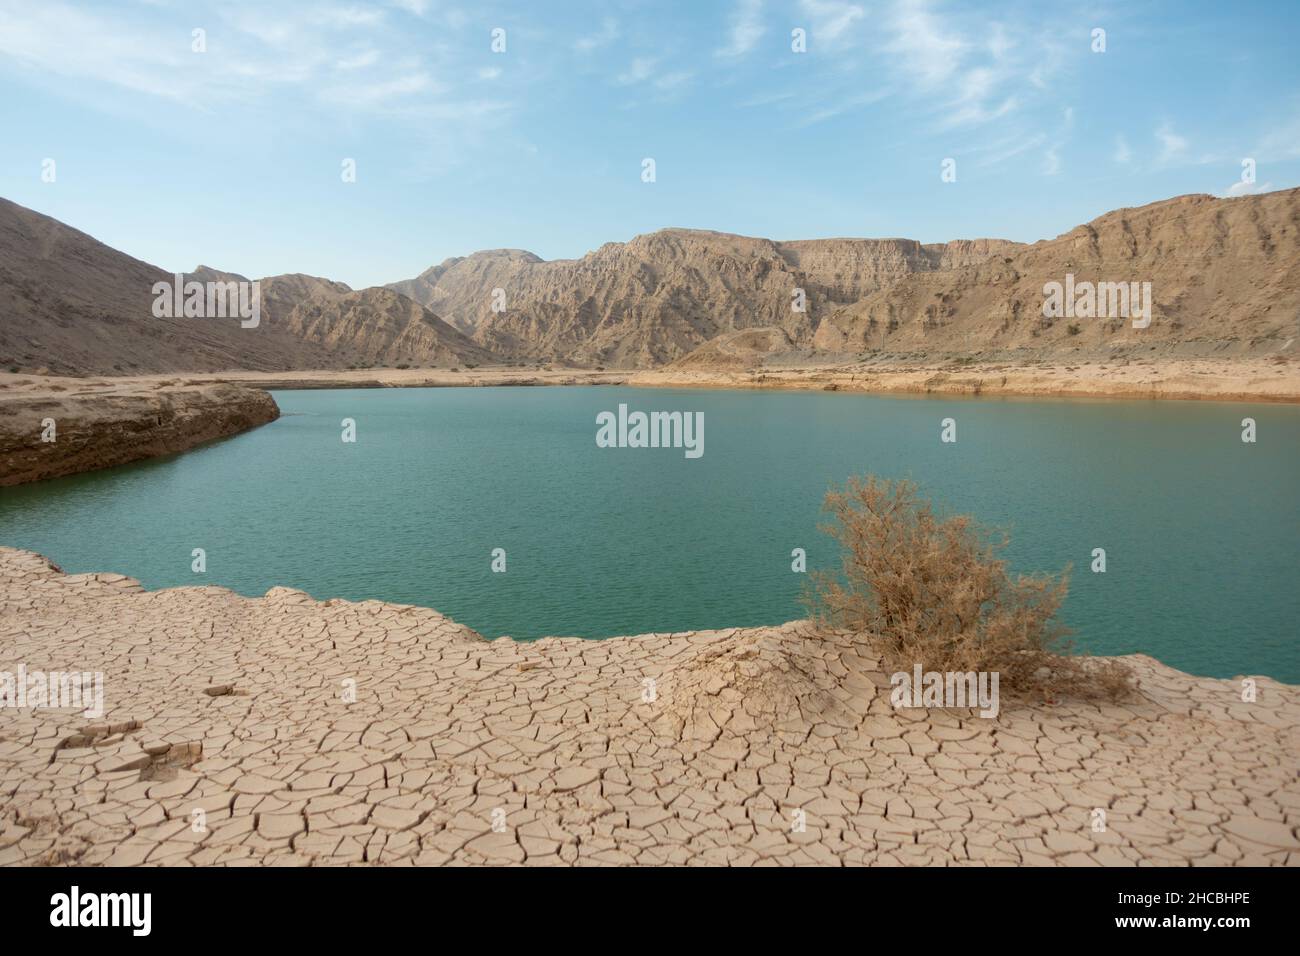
(98, 426)
(1224, 275)
(71, 305)
(363, 328)
(656, 298)
(758, 746)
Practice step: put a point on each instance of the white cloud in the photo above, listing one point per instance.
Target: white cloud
(964, 68)
(308, 61)
(643, 69)
(607, 34)
(1052, 157)
(1240, 188)
(746, 28)
(845, 105)
(831, 19)
(1282, 142)
(1172, 146)
(349, 16)
(367, 58)
(967, 110)
(1123, 155)
(999, 44)
(375, 94)
(638, 71)
(671, 81)
(53, 38)
(1006, 148)
(924, 48)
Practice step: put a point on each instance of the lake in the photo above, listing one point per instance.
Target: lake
(1200, 529)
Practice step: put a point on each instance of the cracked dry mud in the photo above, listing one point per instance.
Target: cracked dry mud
(234, 706)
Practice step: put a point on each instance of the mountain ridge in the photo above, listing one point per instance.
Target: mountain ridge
(1224, 274)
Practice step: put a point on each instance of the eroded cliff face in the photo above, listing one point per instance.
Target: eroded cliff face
(100, 426)
(1223, 274)
(659, 296)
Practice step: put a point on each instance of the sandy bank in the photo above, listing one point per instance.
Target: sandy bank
(110, 421)
(1242, 379)
(102, 424)
(228, 737)
(1245, 380)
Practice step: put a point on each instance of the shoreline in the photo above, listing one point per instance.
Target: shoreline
(1251, 381)
(63, 430)
(1228, 380)
(456, 749)
(109, 421)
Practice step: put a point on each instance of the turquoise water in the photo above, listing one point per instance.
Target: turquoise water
(1200, 529)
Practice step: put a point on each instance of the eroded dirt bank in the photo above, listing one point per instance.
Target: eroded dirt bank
(101, 424)
(1236, 380)
(283, 730)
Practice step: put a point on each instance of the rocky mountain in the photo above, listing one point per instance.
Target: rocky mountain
(365, 327)
(1224, 276)
(659, 296)
(71, 305)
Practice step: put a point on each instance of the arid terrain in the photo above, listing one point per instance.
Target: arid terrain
(92, 425)
(230, 734)
(285, 731)
(1224, 276)
(79, 342)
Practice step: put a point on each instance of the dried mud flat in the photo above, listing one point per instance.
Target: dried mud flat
(462, 750)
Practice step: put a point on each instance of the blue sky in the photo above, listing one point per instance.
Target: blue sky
(233, 157)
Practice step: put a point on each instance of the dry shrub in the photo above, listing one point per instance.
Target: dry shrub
(932, 590)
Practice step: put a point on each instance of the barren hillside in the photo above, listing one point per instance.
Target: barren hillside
(654, 299)
(1224, 275)
(71, 305)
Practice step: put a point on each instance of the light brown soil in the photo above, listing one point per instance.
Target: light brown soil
(1241, 379)
(102, 424)
(462, 750)
(1244, 380)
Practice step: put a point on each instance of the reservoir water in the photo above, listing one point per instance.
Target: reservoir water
(1200, 529)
